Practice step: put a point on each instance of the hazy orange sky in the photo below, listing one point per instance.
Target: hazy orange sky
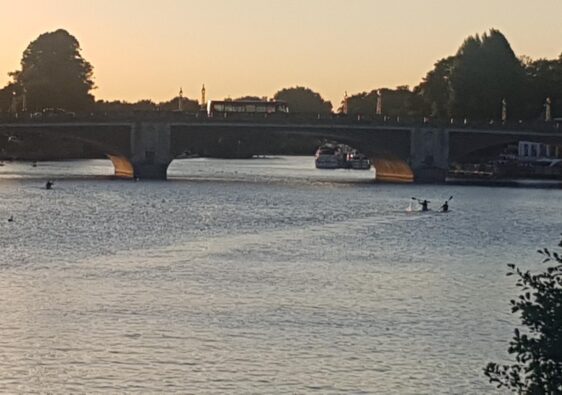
(147, 49)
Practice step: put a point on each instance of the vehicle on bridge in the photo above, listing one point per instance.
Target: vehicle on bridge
(230, 107)
(53, 113)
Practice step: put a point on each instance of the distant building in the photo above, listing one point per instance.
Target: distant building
(530, 151)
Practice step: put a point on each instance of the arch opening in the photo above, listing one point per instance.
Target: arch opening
(388, 151)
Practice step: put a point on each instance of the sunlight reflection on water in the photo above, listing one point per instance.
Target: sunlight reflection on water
(256, 276)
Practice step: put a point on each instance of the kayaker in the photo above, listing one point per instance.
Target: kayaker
(49, 184)
(445, 206)
(424, 204)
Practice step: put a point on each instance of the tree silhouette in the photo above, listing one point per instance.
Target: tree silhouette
(360, 104)
(435, 89)
(249, 98)
(395, 102)
(544, 80)
(54, 74)
(486, 71)
(303, 100)
(188, 105)
(6, 96)
(117, 105)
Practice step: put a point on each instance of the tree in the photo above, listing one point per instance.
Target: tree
(538, 349)
(485, 71)
(188, 105)
(7, 96)
(303, 100)
(118, 105)
(360, 104)
(54, 74)
(435, 89)
(249, 98)
(395, 102)
(544, 80)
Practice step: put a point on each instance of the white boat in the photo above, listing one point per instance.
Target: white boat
(328, 157)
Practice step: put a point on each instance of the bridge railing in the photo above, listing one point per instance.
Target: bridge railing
(279, 118)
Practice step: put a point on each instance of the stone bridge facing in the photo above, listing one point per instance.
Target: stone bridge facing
(399, 153)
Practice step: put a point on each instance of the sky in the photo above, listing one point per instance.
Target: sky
(146, 49)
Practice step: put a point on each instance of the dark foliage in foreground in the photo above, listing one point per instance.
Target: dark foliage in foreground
(537, 348)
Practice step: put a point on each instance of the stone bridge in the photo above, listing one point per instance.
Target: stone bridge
(144, 149)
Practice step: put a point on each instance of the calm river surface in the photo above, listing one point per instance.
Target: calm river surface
(257, 276)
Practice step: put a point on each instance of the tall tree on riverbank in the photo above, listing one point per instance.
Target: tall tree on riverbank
(360, 104)
(538, 348)
(544, 80)
(473, 83)
(486, 71)
(395, 102)
(304, 100)
(54, 74)
(8, 94)
(435, 90)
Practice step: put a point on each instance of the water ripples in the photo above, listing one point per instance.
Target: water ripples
(256, 279)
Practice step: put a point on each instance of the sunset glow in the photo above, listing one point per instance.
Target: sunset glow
(141, 50)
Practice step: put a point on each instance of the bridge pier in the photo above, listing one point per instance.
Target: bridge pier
(150, 171)
(429, 155)
(150, 150)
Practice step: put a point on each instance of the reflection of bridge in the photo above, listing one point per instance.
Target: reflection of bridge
(144, 149)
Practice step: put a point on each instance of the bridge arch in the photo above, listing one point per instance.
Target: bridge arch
(389, 154)
(111, 141)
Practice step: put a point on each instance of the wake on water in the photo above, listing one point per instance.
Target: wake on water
(411, 209)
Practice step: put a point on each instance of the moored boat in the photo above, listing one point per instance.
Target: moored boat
(357, 161)
(328, 157)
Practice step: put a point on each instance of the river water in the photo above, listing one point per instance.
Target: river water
(257, 276)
